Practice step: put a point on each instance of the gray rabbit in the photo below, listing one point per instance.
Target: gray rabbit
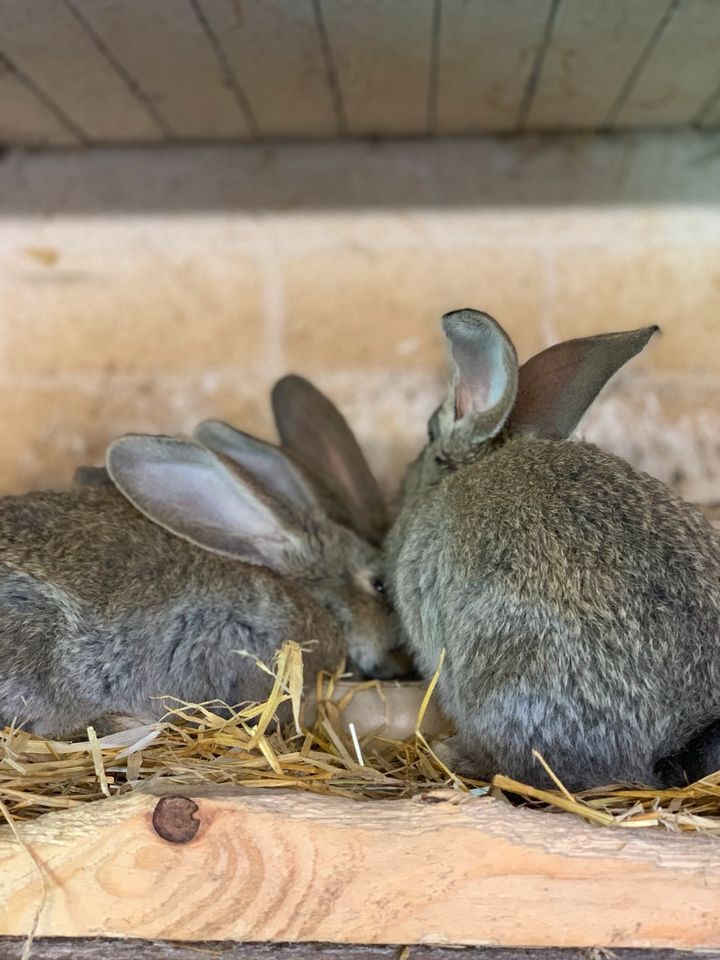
(324, 456)
(577, 600)
(107, 601)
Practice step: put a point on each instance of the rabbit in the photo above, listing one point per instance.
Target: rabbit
(109, 600)
(317, 439)
(577, 599)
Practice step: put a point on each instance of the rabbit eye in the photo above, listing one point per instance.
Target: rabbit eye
(378, 585)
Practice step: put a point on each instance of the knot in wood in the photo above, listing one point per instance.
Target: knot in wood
(173, 819)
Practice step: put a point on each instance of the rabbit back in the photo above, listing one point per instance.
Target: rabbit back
(579, 605)
(100, 606)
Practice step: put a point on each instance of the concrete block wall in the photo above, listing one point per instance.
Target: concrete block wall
(144, 290)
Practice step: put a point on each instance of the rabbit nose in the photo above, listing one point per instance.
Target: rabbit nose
(396, 665)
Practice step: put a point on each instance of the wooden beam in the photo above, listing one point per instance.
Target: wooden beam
(50, 44)
(381, 53)
(281, 866)
(671, 84)
(486, 52)
(61, 948)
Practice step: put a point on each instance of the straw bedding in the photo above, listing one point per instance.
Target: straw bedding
(245, 745)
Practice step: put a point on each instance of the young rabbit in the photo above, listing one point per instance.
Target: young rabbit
(324, 456)
(577, 600)
(107, 601)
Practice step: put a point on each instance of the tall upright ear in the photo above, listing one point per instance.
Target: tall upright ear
(315, 432)
(485, 371)
(558, 385)
(264, 461)
(201, 497)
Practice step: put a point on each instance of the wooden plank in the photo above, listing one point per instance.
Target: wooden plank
(297, 867)
(52, 47)
(681, 72)
(274, 50)
(62, 948)
(25, 118)
(165, 47)
(487, 50)
(381, 51)
(594, 46)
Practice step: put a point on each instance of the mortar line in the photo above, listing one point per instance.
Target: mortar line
(274, 301)
(548, 254)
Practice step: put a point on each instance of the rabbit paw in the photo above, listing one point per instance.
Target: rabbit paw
(455, 755)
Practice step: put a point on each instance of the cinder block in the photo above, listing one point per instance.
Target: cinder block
(666, 425)
(118, 303)
(600, 288)
(48, 430)
(381, 309)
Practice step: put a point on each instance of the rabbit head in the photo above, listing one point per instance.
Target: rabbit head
(215, 502)
(490, 397)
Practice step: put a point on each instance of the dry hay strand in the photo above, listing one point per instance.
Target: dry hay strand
(246, 745)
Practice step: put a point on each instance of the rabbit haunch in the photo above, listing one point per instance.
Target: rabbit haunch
(103, 608)
(577, 600)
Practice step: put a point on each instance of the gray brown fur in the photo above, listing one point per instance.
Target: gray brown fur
(577, 600)
(101, 610)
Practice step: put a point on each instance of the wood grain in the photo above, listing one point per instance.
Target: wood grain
(285, 867)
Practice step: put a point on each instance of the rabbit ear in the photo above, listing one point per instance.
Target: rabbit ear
(91, 477)
(558, 385)
(200, 496)
(485, 371)
(265, 462)
(315, 431)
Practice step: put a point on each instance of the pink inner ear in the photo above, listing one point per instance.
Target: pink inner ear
(475, 397)
(463, 400)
